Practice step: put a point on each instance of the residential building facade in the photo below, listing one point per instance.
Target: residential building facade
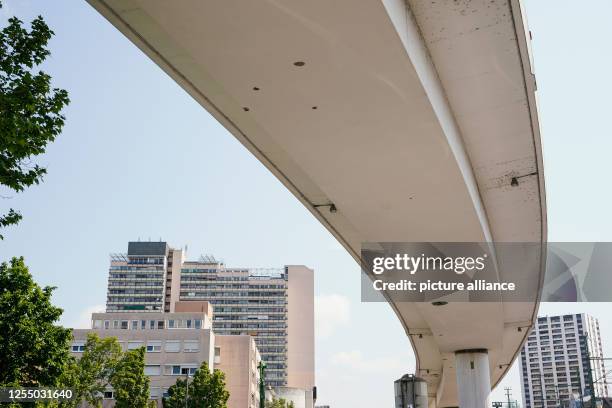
(562, 361)
(238, 356)
(176, 345)
(274, 306)
(141, 279)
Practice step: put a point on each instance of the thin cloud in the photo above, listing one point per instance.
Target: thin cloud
(331, 312)
(83, 321)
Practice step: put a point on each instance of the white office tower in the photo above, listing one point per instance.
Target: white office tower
(562, 361)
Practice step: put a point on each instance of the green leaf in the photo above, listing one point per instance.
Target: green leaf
(206, 390)
(130, 384)
(33, 349)
(30, 108)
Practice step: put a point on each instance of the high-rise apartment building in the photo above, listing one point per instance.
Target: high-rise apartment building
(562, 361)
(274, 306)
(141, 279)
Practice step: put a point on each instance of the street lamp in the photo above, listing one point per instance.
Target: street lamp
(186, 387)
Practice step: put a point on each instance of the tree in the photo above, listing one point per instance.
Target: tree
(206, 390)
(279, 403)
(90, 375)
(33, 350)
(176, 395)
(129, 382)
(30, 109)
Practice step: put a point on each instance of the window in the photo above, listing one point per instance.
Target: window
(160, 324)
(198, 323)
(152, 324)
(173, 346)
(78, 347)
(188, 370)
(108, 395)
(132, 345)
(143, 324)
(154, 346)
(107, 324)
(152, 370)
(124, 324)
(217, 355)
(191, 346)
(172, 370)
(154, 393)
(171, 324)
(134, 324)
(188, 323)
(97, 324)
(180, 369)
(115, 324)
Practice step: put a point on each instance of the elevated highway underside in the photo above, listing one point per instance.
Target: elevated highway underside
(412, 117)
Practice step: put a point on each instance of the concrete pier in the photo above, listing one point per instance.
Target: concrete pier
(473, 378)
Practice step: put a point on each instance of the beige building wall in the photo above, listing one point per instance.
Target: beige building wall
(170, 347)
(173, 278)
(237, 357)
(168, 350)
(300, 322)
(198, 306)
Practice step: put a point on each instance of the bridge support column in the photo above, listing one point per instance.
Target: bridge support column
(473, 378)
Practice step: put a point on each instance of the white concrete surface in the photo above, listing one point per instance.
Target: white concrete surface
(473, 380)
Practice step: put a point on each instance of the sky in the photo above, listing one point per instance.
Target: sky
(139, 159)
